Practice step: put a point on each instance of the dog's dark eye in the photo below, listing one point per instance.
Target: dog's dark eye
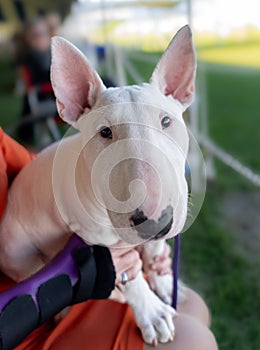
(106, 133)
(166, 122)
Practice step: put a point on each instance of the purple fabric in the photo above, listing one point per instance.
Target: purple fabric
(63, 263)
(175, 268)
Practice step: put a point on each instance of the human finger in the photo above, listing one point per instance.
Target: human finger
(162, 267)
(130, 263)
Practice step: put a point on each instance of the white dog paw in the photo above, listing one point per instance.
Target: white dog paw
(152, 315)
(155, 321)
(163, 287)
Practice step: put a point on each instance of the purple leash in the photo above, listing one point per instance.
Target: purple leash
(175, 269)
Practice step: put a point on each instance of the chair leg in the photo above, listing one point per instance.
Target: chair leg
(53, 129)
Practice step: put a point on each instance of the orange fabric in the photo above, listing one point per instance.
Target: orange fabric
(12, 158)
(93, 325)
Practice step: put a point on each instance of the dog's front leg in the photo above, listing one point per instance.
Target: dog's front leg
(161, 284)
(153, 317)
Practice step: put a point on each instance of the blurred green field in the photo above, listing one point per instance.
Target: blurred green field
(216, 261)
(240, 56)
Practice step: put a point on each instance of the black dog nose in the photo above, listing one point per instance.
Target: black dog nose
(148, 228)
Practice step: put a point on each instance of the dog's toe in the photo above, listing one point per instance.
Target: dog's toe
(163, 332)
(169, 321)
(162, 285)
(160, 327)
(148, 333)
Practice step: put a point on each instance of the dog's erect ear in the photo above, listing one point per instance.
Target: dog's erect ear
(175, 73)
(76, 85)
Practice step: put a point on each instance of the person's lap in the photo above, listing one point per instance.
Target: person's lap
(191, 327)
(195, 306)
(190, 334)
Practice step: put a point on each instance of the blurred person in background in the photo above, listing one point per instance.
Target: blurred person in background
(33, 58)
(53, 21)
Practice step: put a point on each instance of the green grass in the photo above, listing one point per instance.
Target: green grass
(10, 103)
(234, 111)
(214, 260)
(10, 106)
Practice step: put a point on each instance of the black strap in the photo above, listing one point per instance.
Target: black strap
(97, 273)
(86, 264)
(53, 296)
(106, 275)
(17, 320)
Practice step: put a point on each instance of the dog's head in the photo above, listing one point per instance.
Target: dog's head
(135, 140)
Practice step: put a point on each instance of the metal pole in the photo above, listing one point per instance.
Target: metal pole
(189, 12)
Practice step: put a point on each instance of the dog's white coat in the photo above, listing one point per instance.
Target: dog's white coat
(64, 189)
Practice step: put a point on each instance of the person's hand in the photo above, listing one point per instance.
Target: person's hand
(126, 260)
(162, 263)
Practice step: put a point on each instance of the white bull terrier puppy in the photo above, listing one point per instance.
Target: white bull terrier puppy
(122, 177)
